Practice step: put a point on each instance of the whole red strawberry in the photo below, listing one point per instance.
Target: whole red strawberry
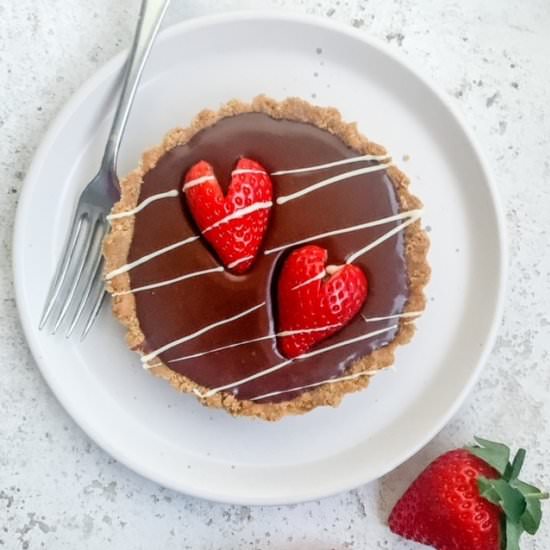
(234, 225)
(469, 499)
(316, 300)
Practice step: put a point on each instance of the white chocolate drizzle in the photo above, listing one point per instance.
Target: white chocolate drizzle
(283, 364)
(238, 171)
(239, 261)
(383, 238)
(143, 204)
(252, 340)
(316, 167)
(319, 275)
(331, 180)
(333, 269)
(160, 284)
(127, 267)
(388, 317)
(316, 384)
(402, 215)
(240, 213)
(234, 215)
(146, 358)
(197, 181)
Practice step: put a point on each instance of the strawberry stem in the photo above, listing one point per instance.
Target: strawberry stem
(537, 496)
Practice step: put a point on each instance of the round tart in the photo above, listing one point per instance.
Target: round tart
(267, 259)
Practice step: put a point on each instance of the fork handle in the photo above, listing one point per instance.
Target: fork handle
(150, 17)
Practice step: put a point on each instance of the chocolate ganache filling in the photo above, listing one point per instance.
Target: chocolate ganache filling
(169, 313)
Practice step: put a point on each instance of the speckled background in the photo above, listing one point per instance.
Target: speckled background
(59, 491)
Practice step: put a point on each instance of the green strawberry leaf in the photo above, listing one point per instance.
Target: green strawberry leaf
(530, 519)
(487, 491)
(513, 470)
(499, 491)
(513, 533)
(495, 454)
(511, 500)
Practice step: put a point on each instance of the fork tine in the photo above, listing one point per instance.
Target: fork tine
(90, 278)
(98, 295)
(61, 270)
(80, 261)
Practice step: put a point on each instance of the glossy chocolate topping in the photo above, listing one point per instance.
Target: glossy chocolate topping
(171, 312)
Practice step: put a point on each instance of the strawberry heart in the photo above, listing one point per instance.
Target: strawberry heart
(234, 225)
(312, 308)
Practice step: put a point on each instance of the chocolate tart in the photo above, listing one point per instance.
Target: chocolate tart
(211, 332)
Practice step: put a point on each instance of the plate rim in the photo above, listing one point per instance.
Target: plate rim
(212, 20)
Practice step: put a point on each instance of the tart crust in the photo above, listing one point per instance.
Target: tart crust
(117, 245)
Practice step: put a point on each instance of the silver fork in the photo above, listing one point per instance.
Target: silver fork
(77, 288)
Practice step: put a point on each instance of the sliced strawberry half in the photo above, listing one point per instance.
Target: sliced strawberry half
(316, 300)
(234, 224)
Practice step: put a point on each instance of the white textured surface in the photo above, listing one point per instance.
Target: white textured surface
(58, 490)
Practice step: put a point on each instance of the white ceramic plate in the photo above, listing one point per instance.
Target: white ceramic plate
(169, 437)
